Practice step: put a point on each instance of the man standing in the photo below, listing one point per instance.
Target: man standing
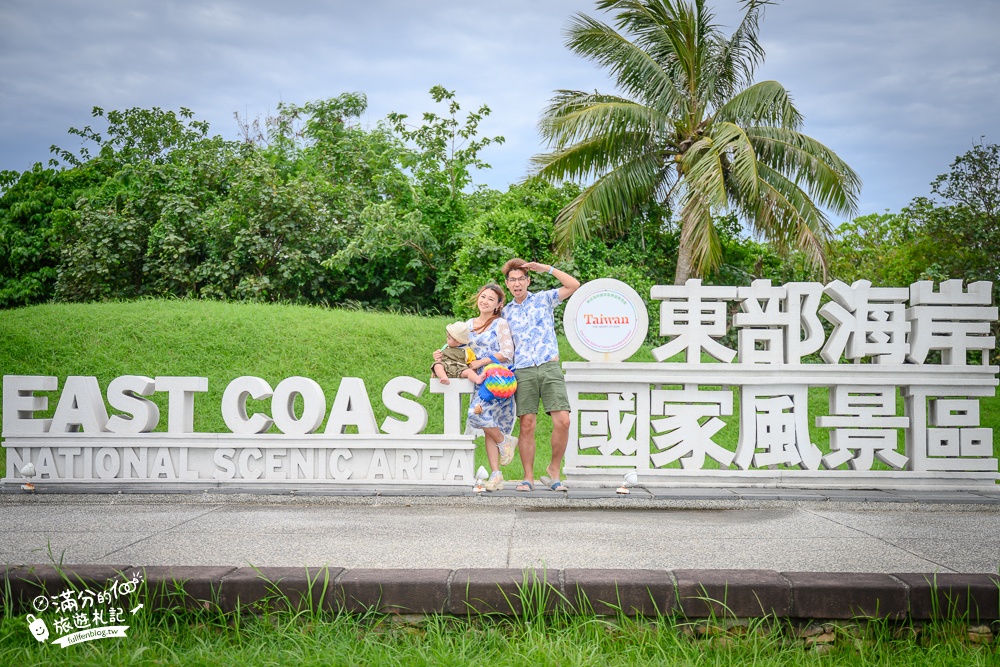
(536, 365)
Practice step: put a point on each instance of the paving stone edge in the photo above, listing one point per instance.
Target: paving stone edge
(690, 593)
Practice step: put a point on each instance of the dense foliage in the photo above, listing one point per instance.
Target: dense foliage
(308, 207)
(311, 207)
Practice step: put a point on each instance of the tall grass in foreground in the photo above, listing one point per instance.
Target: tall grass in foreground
(280, 630)
(303, 639)
(222, 341)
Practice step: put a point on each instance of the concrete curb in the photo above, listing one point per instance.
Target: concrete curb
(689, 593)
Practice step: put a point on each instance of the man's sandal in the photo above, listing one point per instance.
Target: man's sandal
(554, 484)
(524, 485)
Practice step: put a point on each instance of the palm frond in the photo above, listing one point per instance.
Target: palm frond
(703, 172)
(610, 201)
(786, 214)
(699, 234)
(636, 72)
(590, 158)
(676, 36)
(740, 54)
(578, 116)
(740, 159)
(726, 149)
(713, 168)
(765, 103)
(800, 157)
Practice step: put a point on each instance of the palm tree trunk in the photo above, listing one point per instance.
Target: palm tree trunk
(684, 264)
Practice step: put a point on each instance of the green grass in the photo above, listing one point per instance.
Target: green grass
(223, 341)
(278, 632)
(304, 639)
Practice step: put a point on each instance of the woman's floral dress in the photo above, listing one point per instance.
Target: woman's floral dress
(499, 412)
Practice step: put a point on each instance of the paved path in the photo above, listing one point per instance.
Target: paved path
(783, 530)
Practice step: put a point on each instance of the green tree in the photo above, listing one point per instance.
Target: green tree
(954, 233)
(171, 211)
(444, 150)
(515, 223)
(964, 224)
(967, 222)
(889, 249)
(379, 251)
(133, 136)
(441, 154)
(152, 174)
(974, 183)
(35, 211)
(519, 222)
(745, 259)
(408, 239)
(690, 128)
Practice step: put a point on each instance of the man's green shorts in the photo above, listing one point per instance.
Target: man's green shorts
(543, 383)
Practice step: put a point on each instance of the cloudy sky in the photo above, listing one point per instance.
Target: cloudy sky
(897, 88)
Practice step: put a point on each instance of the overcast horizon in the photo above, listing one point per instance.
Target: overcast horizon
(898, 89)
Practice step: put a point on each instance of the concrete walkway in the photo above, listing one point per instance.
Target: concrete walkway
(661, 529)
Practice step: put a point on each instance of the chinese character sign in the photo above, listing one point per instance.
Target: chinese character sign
(892, 378)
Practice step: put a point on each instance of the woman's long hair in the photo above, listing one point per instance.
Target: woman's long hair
(496, 311)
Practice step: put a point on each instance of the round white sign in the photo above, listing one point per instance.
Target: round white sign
(606, 320)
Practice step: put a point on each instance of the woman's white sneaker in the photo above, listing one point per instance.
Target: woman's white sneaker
(507, 448)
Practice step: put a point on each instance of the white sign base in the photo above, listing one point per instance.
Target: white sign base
(217, 459)
(883, 480)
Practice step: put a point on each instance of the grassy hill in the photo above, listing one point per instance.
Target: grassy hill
(222, 341)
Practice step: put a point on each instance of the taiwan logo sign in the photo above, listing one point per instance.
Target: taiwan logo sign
(606, 320)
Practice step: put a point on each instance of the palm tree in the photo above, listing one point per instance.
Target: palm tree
(690, 128)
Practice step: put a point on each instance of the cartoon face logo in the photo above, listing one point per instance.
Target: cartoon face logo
(38, 628)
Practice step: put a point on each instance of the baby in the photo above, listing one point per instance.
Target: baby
(457, 356)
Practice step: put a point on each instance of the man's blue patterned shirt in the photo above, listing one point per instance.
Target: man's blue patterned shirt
(533, 328)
